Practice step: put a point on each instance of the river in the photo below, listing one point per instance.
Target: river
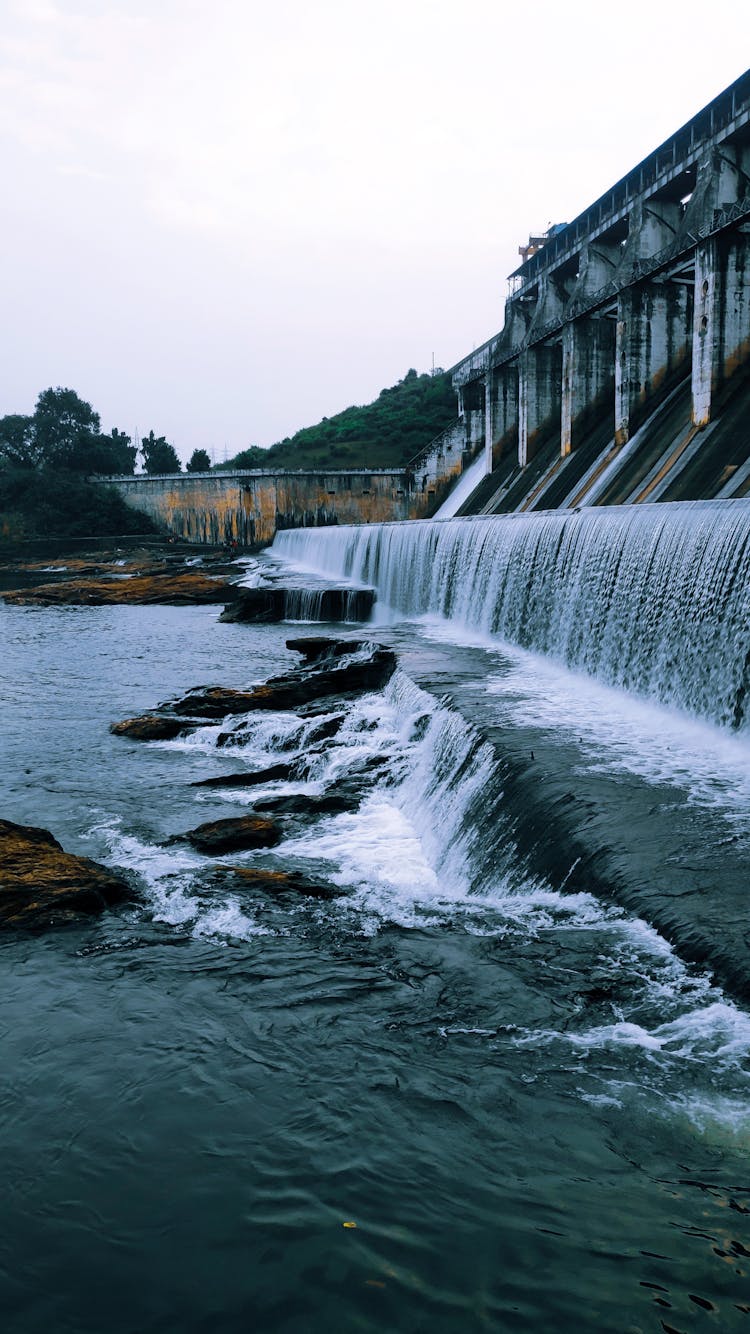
(478, 1092)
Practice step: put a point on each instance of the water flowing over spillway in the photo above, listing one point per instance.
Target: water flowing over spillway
(467, 482)
(655, 600)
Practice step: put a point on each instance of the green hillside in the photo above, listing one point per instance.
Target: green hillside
(383, 434)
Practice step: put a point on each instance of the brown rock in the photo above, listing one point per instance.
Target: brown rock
(235, 834)
(214, 702)
(153, 727)
(281, 882)
(41, 885)
(170, 587)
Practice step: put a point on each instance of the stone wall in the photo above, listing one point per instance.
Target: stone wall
(248, 507)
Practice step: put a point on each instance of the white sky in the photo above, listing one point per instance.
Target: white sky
(224, 219)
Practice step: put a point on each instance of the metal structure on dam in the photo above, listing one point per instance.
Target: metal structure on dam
(621, 374)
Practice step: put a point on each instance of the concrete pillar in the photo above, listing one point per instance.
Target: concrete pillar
(598, 266)
(539, 397)
(651, 347)
(501, 412)
(488, 422)
(550, 304)
(474, 414)
(588, 371)
(721, 318)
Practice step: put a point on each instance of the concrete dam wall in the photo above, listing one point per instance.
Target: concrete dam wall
(248, 507)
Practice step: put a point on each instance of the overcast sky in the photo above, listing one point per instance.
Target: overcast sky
(224, 219)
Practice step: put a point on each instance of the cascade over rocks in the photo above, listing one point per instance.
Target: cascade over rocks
(301, 803)
(271, 603)
(234, 834)
(41, 885)
(323, 731)
(347, 669)
(279, 882)
(294, 688)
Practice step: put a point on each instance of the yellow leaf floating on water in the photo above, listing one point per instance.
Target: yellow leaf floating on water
(349, 1224)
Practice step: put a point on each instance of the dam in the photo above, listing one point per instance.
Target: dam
(621, 374)
(465, 1044)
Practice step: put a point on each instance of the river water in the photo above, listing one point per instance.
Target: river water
(528, 1099)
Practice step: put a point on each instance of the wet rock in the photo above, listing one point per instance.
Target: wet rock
(154, 727)
(346, 676)
(325, 730)
(301, 803)
(41, 885)
(256, 605)
(214, 702)
(315, 647)
(272, 774)
(176, 588)
(281, 882)
(235, 834)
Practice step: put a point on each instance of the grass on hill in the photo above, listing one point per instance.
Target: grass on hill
(384, 434)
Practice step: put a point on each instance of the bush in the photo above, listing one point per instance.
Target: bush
(51, 502)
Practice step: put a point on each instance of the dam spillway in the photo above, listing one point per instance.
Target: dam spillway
(654, 599)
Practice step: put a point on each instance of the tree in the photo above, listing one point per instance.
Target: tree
(252, 457)
(17, 445)
(199, 461)
(64, 427)
(109, 455)
(159, 455)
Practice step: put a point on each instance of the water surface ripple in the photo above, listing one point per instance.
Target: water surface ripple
(533, 1108)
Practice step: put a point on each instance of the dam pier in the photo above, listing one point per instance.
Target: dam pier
(621, 374)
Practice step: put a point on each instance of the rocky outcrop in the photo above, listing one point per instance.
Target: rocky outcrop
(41, 885)
(154, 727)
(315, 647)
(271, 603)
(273, 773)
(345, 676)
(235, 834)
(142, 576)
(175, 589)
(303, 803)
(278, 883)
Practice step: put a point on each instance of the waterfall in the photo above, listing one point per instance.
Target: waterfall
(653, 599)
(327, 604)
(467, 482)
